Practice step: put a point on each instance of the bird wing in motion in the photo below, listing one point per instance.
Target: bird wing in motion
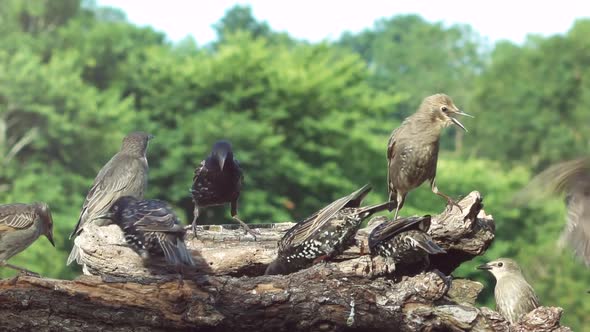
(573, 178)
(154, 216)
(306, 228)
(17, 216)
(110, 183)
(174, 249)
(389, 229)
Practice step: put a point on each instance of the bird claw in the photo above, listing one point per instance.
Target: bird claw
(451, 203)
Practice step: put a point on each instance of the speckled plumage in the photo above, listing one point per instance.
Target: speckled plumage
(217, 181)
(151, 228)
(412, 150)
(513, 294)
(404, 241)
(324, 234)
(20, 225)
(124, 175)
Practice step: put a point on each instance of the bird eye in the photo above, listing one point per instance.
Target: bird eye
(444, 109)
(500, 264)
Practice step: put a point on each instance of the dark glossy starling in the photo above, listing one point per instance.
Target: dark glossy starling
(218, 181)
(404, 241)
(20, 226)
(412, 151)
(573, 178)
(124, 175)
(323, 235)
(151, 228)
(514, 296)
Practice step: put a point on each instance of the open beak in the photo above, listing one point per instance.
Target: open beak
(456, 122)
(49, 236)
(221, 159)
(107, 215)
(484, 267)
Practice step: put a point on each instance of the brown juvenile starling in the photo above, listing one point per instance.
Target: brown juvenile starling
(412, 151)
(573, 178)
(20, 226)
(404, 241)
(323, 235)
(514, 296)
(124, 175)
(217, 181)
(151, 228)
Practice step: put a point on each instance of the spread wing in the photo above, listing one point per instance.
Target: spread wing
(19, 216)
(303, 230)
(114, 180)
(155, 216)
(389, 229)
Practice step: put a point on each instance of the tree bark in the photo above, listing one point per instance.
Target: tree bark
(228, 291)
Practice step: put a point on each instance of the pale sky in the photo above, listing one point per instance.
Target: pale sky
(328, 19)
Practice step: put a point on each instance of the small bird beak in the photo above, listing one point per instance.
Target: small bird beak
(484, 267)
(49, 236)
(456, 122)
(107, 215)
(221, 159)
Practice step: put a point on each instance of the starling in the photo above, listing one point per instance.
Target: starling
(151, 228)
(573, 178)
(412, 151)
(323, 235)
(404, 241)
(20, 226)
(124, 175)
(514, 296)
(217, 181)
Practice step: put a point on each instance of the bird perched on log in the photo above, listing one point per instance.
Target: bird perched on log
(412, 151)
(404, 241)
(151, 228)
(217, 181)
(514, 296)
(124, 175)
(20, 225)
(573, 178)
(324, 234)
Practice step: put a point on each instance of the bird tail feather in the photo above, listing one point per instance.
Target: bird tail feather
(74, 255)
(427, 244)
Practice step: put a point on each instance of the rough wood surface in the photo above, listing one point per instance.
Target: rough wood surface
(227, 290)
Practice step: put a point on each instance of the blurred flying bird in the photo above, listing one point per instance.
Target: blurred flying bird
(572, 178)
(325, 234)
(124, 175)
(151, 228)
(404, 241)
(412, 151)
(217, 181)
(20, 226)
(514, 296)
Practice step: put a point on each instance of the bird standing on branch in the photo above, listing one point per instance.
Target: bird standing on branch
(514, 296)
(20, 226)
(412, 151)
(324, 234)
(151, 228)
(404, 241)
(217, 181)
(573, 178)
(126, 174)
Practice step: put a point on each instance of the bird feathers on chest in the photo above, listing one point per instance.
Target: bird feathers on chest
(14, 241)
(514, 297)
(213, 186)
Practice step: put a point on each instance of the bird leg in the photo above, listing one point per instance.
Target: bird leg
(21, 270)
(450, 201)
(194, 224)
(180, 276)
(234, 215)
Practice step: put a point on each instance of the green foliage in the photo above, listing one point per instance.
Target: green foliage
(309, 122)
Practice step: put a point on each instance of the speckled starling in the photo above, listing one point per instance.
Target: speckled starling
(20, 226)
(151, 228)
(124, 175)
(514, 296)
(573, 178)
(323, 235)
(404, 241)
(412, 151)
(218, 181)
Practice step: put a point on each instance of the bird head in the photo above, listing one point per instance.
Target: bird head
(221, 152)
(136, 142)
(442, 110)
(115, 211)
(501, 267)
(44, 213)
